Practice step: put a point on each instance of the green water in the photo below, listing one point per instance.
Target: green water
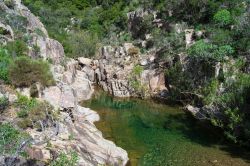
(159, 135)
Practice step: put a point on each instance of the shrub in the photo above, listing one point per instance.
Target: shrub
(221, 37)
(9, 3)
(135, 81)
(5, 61)
(137, 70)
(4, 103)
(33, 116)
(22, 114)
(17, 48)
(25, 72)
(64, 159)
(223, 17)
(83, 44)
(210, 92)
(24, 123)
(207, 51)
(24, 102)
(133, 51)
(10, 139)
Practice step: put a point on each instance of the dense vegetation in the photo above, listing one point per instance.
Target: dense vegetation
(80, 22)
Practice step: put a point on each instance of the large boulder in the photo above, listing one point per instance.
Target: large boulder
(85, 61)
(82, 87)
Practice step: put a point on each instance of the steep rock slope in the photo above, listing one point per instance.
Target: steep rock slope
(72, 86)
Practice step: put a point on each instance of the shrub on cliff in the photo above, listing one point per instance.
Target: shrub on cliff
(210, 52)
(10, 139)
(223, 18)
(32, 113)
(5, 61)
(9, 3)
(17, 48)
(83, 44)
(65, 159)
(4, 103)
(24, 72)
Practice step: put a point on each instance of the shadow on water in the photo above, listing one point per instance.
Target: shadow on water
(155, 134)
(208, 135)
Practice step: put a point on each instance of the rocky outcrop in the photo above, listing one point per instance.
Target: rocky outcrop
(77, 132)
(204, 113)
(72, 86)
(115, 68)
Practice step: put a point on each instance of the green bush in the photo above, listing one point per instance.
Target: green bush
(4, 103)
(210, 52)
(221, 36)
(210, 92)
(17, 48)
(83, 44)
(10, 139)
(233, 103)
(25, 72)
(24, 123)
(135, 81)
(33, 115)
(9, 3)
(5, 61)
(63, 159)
(26, 103)
(223, 17)
(22, 113)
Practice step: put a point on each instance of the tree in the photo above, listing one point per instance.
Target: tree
(223, 18)
(209, 52)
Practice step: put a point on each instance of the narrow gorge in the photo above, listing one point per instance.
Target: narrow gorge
(115, 83)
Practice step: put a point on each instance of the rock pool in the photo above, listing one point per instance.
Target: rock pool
(155, 134)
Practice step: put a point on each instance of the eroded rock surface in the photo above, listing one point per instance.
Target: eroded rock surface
(115, 67)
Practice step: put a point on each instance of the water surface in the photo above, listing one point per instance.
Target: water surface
(160, 135)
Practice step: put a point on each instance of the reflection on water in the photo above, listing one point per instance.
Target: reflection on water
(158, 135)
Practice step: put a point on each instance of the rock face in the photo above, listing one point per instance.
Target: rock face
(204, 113)
(115, 68)
(77, 132)
(73, 85)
